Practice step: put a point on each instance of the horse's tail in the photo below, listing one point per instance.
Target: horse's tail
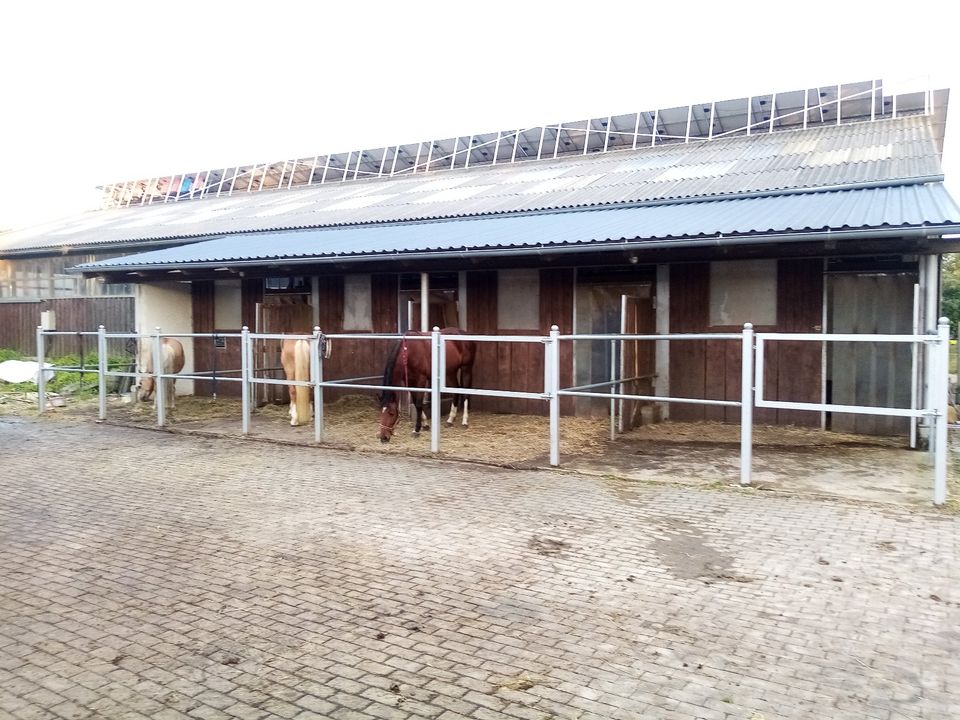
(468, 352)
(301, 365)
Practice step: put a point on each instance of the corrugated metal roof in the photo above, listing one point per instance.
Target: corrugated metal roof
(871, 152)
(871, 208)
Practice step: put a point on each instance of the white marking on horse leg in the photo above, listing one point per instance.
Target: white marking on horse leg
(453, 412)
(466, 403)
(293, 414)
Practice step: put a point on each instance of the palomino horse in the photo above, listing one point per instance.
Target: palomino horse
(295, 358)
(409, 366)
(171, 354)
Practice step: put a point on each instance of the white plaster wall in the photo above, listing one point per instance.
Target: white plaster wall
(169, 307)
(226, 305)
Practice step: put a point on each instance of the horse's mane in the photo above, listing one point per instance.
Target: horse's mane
(388, 396)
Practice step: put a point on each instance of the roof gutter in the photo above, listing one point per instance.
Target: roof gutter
(908, 233)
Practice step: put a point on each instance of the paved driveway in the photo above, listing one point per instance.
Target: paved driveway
(148, 575)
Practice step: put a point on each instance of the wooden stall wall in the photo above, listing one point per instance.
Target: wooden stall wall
(711, 368)
(19, 320)
(518, 366)
(482, 320)
(201, 297)
(219, 356)
(251, 294)
(556, 308)
(357, 358)
(689, 313)
(799, 364)
(876, 374)
(349, 358)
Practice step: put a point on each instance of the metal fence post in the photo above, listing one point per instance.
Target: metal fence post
(614, 388)
(41, 376)
(102, 369)
(746, 406)
(160, 392)
(552, 389)
(435, 350)
(927, 421)
(940, 390)
(316, 375)
(245, 379)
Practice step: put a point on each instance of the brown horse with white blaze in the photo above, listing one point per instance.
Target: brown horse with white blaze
(172, 359)
(409, 365)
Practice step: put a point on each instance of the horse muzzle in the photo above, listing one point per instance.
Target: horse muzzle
(386, 432)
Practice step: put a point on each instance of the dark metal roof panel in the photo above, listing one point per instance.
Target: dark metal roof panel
(873, 208)
(877, 152)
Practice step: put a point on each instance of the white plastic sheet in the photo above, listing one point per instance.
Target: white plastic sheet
(18, 371)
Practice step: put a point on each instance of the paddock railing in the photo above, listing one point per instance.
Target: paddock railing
(745, 338)
(934, 347)
(936, 364)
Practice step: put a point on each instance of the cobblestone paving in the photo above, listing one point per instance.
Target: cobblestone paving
(149, 575)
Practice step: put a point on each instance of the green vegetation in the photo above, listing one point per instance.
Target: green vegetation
(951, 300)
(66, 382)
(951, 290)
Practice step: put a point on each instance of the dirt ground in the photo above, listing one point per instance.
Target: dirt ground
(786, 459)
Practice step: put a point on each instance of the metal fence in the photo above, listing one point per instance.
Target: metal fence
(932, 350)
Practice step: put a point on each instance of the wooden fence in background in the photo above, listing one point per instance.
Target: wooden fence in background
(19, 320)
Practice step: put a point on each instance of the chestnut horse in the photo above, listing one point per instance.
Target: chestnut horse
(171, 354)
(409, 365)
(295, 358)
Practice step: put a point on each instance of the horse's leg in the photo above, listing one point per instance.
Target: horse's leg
(172, 393)
(466, 381)
(294, 420)
(452, 381)
(418, 405)
(424, 406)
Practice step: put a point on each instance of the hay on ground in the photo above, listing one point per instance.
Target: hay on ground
(518, 440)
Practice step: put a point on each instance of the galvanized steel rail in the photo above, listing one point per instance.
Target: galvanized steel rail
(752, 379)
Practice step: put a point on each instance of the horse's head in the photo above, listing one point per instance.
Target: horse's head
(146, 387)
(145, 382)
(389, 414)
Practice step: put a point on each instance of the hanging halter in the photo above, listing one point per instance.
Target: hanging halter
(403, 357)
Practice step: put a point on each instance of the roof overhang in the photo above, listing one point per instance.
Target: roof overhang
(919, 213)
(868, 241)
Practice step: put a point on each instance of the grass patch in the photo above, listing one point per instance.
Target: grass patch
(68, 382)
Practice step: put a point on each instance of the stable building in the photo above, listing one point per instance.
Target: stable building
(819, 210)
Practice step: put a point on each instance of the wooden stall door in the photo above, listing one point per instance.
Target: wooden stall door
(875, 374)
(637, 360)
(444, 313)
(605, 308)
(278, 314)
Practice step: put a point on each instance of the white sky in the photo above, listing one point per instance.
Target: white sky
(101, 92)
